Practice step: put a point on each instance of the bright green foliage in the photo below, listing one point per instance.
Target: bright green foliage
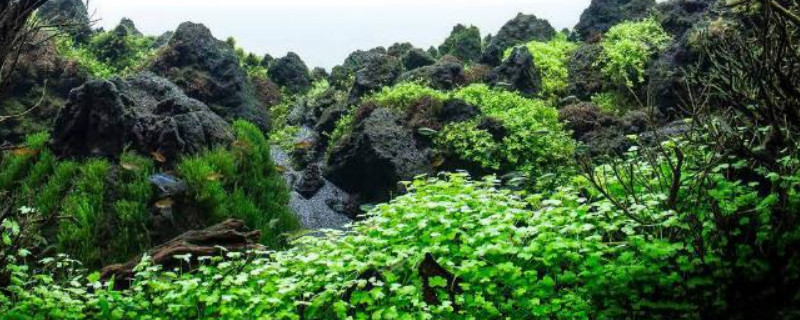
(78, 235)
(627, 49)
(571, 254)
(109, 53)
(98, 212)
(611, 102)
(282, 133)
(404, 95)
(242, 184)
(121, 51)
(343, 128)
(551, 58)
(130, 211)
(12, 168)
(535, 141)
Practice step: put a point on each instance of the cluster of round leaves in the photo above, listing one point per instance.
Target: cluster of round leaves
(535, 139)
(551, 58)
(628, 48)
(453, 248)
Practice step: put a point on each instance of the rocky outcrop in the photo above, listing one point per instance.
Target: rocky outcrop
(319, 74)
(463, 43)
(208, 70)
(446, 74)
(523, 28)
(519, 73)
(668, 86)
(267, 92)
(217, 240)
(71, 15)
(678, 16)
(604, 14)
(377, 71)
(291, 73)
(455, 110)
(310, 181)
(585, 78)
(41, 83)
(397, 50)
(145, 112)
(127, 27)
(417, 58)
(379, 153)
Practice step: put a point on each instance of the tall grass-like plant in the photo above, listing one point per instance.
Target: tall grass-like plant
(78, 232)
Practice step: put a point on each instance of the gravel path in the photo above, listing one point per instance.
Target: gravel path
(313, 213)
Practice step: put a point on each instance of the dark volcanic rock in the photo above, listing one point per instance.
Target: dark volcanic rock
(128, 27)
(668, 85)
(455, 110)
(446, 74)
(417, 58)
(492, 55)
(464, 43)
(397, 50)
(72, 15)
(327, 121)
(523, 28)
(163, 39)
(580, 118)
(585, 78)
(145, 112)
(494, 126)
(319, 74)
(267, 61)
(379, 154)
(678, 16)
(208, 70)
(378, 70)
(519, 73)
(41, 83)
(291, 72)
(604, 14)
(310, 181)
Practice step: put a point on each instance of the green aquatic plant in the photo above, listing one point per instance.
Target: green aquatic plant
(535, 139)
(551, 58)
(628, 48)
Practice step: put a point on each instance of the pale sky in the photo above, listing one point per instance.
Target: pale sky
(324, 32)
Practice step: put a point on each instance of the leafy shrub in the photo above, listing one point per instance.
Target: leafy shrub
(551, 58)
(110, 53)
(535, 140)
(243, 184)
(627, 49)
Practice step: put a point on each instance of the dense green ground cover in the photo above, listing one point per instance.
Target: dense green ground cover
(96, 210)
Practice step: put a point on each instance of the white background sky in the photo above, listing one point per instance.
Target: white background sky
(324, 32)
